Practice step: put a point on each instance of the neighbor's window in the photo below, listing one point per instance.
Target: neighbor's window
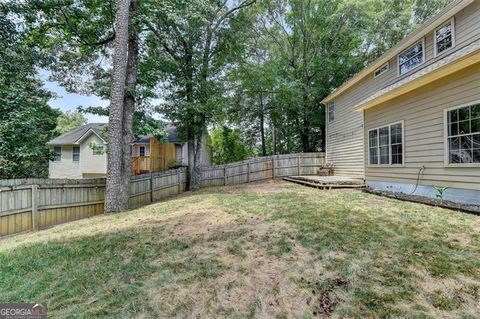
(57, 151)
(384, 68)
(411, 57)
(331, 112)
(98, 150)
(464, 135)
(142, 150)
(385, 145)
(76, 153)
(444, 37)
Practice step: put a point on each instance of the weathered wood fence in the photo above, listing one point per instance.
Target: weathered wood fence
(262, 168)
(33, 204)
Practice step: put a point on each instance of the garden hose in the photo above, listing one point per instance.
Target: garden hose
(418, 179)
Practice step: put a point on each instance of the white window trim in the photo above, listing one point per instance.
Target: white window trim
(144, 151)
(389, 145)
(445, 138)
(377, 75)
(328, 111)
(61, 153)
(452, 21)
(423, 57)
(73, 160)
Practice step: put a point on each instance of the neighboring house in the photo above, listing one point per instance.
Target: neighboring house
(413, 116)
(81, 153)
(148, 154)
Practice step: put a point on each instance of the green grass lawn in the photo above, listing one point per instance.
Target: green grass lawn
(271, 250)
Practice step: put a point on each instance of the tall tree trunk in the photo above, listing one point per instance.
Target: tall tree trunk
(129, 99)
(305, 123)
(274, 141)
(262, 126)
(196, 176)
(190, 117)
(115, 198)
(196, 142)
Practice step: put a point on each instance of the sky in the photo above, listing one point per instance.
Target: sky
(69, 101)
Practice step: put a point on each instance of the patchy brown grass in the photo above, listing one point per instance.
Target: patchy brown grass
(264, 250)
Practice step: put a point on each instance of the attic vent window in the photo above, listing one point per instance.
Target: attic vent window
(411, 57)
(383, 69)
(444, 38)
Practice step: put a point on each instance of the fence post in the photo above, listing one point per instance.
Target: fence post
(273, 167)
(178, 181)
(298, 158)
(225, 175)
(35, 212)
(248, 172)
(151, 187)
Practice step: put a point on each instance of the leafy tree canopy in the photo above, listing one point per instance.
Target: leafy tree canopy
(27, 122)
(69, 121)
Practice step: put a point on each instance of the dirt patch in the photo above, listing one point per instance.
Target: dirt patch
(258, 278)
(325, 295)
(267, 186)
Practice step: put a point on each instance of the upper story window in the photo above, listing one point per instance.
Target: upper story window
(142, 150)
(411, 57)
(444, 37)
(76, 153)
(57, 153)
(385, 145)
(463, 135)
(383, 69)
(331, 112)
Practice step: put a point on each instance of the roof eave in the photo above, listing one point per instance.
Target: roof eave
(86, 134)
(469, 59)
(410, 39)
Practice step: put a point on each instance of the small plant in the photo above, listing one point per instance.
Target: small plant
(440, 190)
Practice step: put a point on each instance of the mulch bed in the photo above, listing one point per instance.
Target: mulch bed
(472, 209)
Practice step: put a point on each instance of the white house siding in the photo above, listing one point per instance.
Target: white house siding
(89, 163)
(66, 167)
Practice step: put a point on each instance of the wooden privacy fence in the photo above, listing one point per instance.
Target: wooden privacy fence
(33, 204)
(49, 202)
(262, 168)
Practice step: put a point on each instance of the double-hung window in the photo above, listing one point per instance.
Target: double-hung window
(57, 153)
(76, 153)
(331, 112)
(463, 134)
(444, 37)
(142, 151)
(385, 145)
(411, 57)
